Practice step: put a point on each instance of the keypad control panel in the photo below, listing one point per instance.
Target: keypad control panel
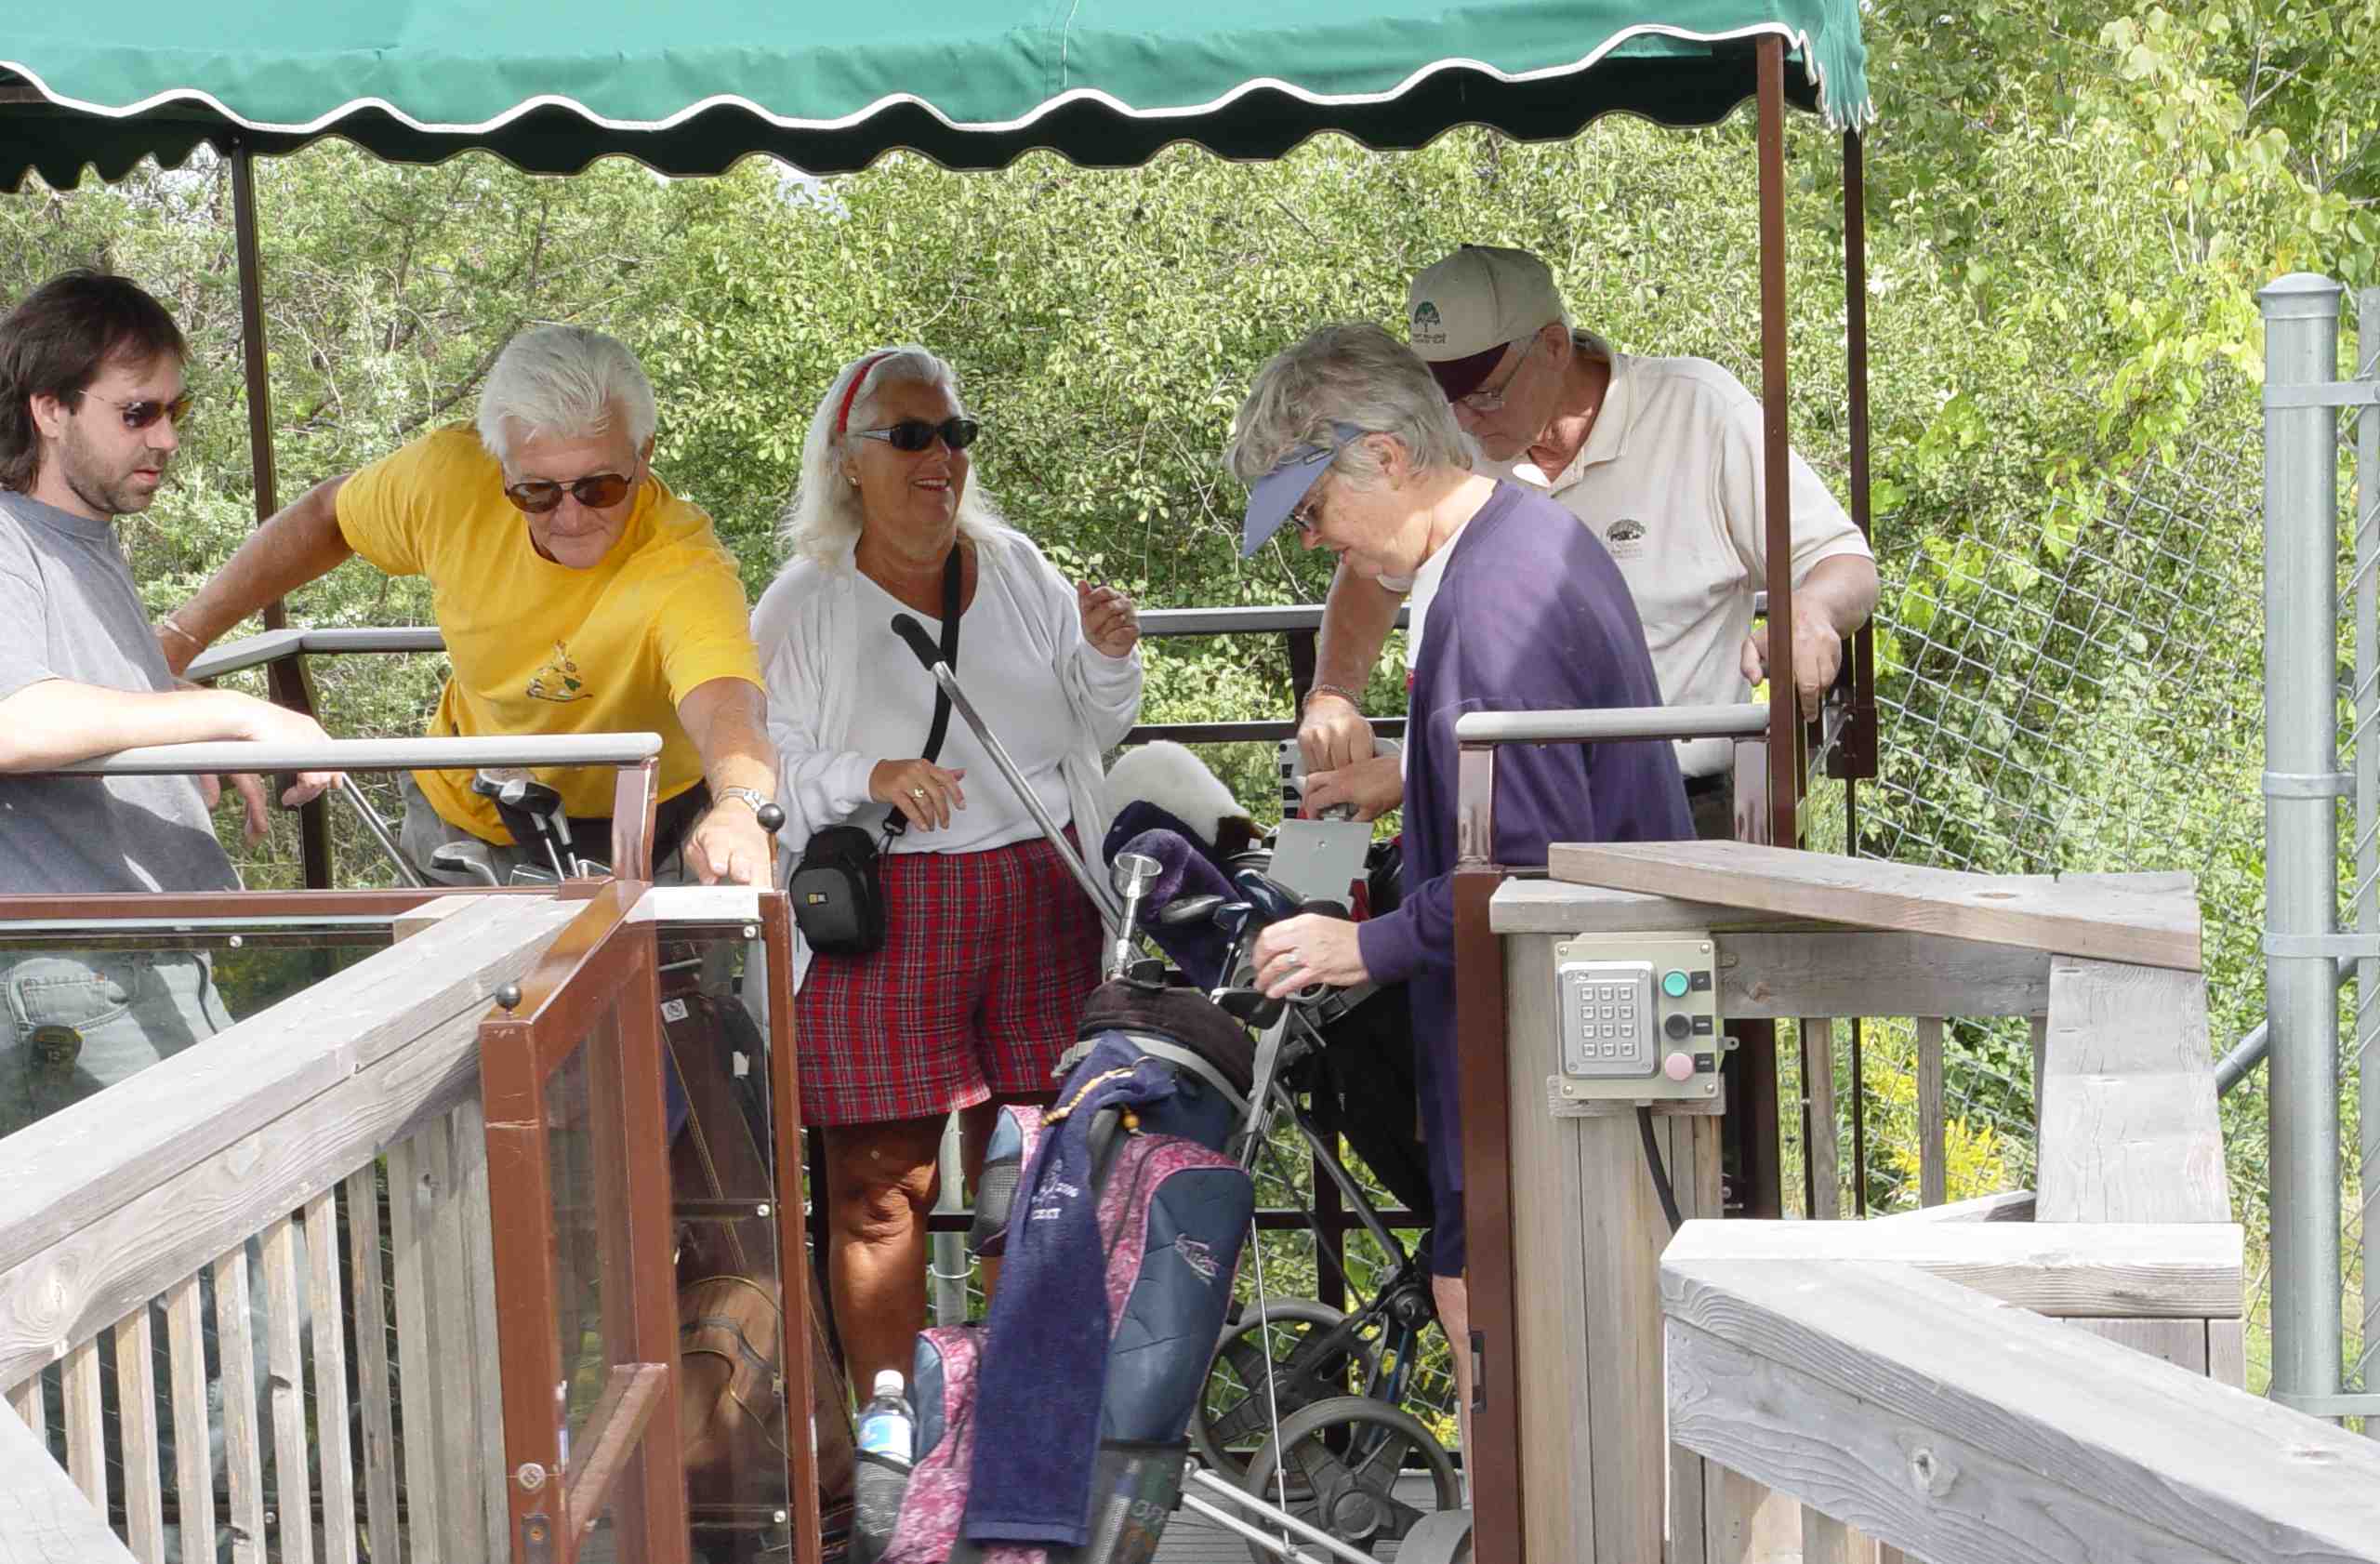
(1639, 1015)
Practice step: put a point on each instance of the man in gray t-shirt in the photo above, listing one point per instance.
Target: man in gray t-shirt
(90, 397)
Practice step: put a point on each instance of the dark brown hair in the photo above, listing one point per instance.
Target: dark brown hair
(55, 344)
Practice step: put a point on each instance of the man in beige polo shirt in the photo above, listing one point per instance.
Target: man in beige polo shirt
(1662, 458)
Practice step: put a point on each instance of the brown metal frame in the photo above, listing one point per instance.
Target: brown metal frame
(793, 1239)
(597, 986)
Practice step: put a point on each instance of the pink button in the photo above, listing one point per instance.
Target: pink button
(1678, 1067)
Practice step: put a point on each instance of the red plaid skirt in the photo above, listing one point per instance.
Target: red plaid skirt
(988, 959)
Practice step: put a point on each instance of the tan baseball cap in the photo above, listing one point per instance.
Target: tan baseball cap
(1461, 313)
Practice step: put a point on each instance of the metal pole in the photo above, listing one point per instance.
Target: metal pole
(2302, 783)
(1784, 710)
(949, 1265)
(2367, 831)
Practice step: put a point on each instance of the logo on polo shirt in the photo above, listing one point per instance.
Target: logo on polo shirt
(1625, 538)
(1427, 327)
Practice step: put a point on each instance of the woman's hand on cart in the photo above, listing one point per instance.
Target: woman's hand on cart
(1305, 950)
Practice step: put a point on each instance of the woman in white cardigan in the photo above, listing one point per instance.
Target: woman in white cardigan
(990, 948)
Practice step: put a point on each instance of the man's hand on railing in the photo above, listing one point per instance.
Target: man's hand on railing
(1333, 732)
(1817, 657)
(269, 723)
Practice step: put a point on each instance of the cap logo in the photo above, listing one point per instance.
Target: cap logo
(1427, 327)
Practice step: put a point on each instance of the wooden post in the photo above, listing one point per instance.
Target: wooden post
(1932, 1175)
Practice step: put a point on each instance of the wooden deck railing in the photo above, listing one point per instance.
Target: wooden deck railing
(236, 1159)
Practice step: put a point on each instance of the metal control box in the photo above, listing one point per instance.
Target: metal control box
(1640, 1017)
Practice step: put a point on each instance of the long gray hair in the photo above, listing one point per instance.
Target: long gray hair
(823, 517)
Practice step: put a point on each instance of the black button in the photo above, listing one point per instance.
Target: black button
(1706, 1062)
(1675, 1026)
(1697, 982)
(1702, 1026)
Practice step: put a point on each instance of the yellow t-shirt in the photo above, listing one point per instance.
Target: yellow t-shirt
(538, 647)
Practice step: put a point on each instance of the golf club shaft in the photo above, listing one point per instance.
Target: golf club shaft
(1101, 898)
(379, 829)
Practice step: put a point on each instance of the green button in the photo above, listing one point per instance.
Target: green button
(1673, 985)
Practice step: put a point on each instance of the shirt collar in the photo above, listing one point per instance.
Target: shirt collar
(1607, 440)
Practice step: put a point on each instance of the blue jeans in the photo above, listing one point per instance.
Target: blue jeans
(73, 1021)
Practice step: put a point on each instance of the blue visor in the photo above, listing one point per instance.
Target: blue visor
(1273, 497)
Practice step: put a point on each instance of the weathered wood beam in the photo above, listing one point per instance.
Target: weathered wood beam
(1966, 1432)
(2009, 1205)
(44, 1516)
(2129, 1131)
(2101, 916)
(2184, 1270)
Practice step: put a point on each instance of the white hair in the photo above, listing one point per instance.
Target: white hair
(823, 517)
(564, 380)
(1351, 373)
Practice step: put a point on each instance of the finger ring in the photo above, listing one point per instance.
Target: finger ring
(917, 792)
(1293, 962)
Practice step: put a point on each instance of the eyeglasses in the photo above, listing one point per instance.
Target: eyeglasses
(596, 491)
(1492, 401)
(1308, 514)
(147, 411)
(916, 434)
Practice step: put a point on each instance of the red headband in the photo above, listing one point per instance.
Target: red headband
(851, 392)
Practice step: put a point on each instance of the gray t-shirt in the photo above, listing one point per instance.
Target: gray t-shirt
(68, 610)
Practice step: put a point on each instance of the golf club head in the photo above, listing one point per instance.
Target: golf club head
(489, 780)
(1272, 901)
(464, 857)
(525, 874)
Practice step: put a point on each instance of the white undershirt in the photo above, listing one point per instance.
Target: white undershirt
(1417, 598)
(1017, 695)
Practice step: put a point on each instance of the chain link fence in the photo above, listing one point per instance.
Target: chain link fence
(2091, 700)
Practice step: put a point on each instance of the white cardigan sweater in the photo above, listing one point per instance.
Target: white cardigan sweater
(807, 629)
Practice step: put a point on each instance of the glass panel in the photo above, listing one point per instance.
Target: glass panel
(579, 1281)
(722, 1168)
(80, 1018)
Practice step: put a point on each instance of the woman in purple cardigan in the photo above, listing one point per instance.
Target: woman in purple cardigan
(1514, 607)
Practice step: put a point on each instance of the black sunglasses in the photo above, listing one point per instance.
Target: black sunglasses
(916, 434)
(595, 491)
(141, 413)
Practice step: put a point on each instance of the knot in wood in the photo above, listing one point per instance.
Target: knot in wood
(1929, 1472)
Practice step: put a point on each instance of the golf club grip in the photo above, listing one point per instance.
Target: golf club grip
(915, 634)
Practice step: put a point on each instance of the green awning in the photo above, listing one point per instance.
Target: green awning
(691, 86)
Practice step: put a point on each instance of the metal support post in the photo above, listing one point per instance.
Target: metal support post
(2302, 785)
(2367, 831)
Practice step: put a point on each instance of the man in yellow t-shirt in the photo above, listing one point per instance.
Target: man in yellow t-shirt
(576, 594)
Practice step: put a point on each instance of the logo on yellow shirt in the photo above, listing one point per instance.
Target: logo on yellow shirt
(557, 681)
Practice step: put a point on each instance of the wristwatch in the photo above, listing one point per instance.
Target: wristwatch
(767, 813)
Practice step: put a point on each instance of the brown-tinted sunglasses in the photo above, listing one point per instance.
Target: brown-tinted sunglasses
(595, 491)
(141, 413)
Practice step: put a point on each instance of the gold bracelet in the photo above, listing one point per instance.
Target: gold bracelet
(1348, 696)
(168, 622)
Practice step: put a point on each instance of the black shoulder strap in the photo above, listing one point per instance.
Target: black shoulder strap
(952, 575)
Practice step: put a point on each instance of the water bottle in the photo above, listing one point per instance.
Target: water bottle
(885, 1426)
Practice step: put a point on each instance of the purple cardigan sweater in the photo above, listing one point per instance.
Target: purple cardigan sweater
(1530, 616)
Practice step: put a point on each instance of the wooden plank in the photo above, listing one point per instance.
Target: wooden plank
(2129, 1130)
(136, 1399)
(1926, 1488)
(457, 1349)
(1621, 1239)
(2184, 1270)
(1551, 1321)
(2009, 1205)
(1966, 1430)
(1746, 1522)
(90, 1278)
(286, 1388)
(1826, 1136)
(242, 1449)
(59, 1176)
(186, 1371)
(1822, 971)
(2100, 916)
(467, 1127)
(324, 1303)
(86, 1456)
(44, 1518)
(2181, 1343)
(25, 1398)
(1690, 1147)
(2226, 1355)
(410, 1265)
(373, 1388)
(1933, 1127)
